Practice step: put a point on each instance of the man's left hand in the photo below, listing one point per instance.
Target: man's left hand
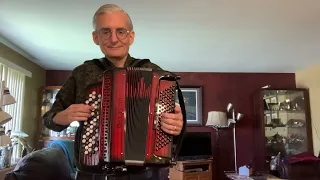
(172, 123)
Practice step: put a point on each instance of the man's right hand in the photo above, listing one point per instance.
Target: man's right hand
(75, 112)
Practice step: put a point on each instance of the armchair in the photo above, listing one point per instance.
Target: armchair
(301, 167)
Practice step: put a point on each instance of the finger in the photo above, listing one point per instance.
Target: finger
(82, 108)
(81, 114)
(172, 122)
(177, 109)
(80, 118)
(169, 131)
(169, 115)
(168, 126)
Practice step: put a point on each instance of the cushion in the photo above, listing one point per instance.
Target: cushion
(44, 164)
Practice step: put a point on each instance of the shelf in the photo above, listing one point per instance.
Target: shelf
(269, 126)
(273, 127)
(284, 111)
(56, 138)
(275, 93)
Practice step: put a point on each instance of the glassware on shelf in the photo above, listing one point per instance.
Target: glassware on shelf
(48, 98)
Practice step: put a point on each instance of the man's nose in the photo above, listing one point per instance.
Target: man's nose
(114, 37)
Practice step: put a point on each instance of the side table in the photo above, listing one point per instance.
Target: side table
(263, 176)
(235, 176)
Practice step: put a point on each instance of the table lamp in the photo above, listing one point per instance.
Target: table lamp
(217, 120)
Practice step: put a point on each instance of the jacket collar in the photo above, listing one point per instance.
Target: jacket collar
(107, 62)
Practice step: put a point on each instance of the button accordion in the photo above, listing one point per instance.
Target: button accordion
(124, 127)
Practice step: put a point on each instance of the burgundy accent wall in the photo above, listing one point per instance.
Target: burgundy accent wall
(56, 77)
(219, 89)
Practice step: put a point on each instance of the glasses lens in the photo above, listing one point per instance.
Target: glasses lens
(122, 33)
(107, 33)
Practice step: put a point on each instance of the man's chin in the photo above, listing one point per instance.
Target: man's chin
(114, 56)
(113, 53)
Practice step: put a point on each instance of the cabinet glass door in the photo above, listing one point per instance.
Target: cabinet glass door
(48, 98)
(285, 122)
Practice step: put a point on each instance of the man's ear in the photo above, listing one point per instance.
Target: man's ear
(131, 37)
(95, 37)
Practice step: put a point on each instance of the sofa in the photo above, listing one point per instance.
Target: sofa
(44, 164)
(49, 163)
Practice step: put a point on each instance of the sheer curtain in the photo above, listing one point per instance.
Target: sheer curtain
(15, 82)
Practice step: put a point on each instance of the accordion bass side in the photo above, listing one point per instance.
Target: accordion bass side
(124, 128)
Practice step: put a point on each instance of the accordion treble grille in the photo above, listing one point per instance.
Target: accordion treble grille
(165, 105)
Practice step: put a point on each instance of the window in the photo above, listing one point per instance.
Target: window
(14, 81)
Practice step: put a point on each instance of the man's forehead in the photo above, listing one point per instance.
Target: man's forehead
(112, 20)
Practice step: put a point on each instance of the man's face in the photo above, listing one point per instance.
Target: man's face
(113, 34)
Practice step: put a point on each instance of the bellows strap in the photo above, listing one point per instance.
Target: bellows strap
(184, 117)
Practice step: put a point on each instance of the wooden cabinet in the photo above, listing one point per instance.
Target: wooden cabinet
(192, 170)
(45, 135)
(282, 125)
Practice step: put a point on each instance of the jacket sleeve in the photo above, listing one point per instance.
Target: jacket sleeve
(64, 98)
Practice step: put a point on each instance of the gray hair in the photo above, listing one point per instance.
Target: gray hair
(109, 8)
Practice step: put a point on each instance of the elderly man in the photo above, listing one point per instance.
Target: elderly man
(113, 33)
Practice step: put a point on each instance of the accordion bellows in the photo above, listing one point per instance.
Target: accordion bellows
(124, 128)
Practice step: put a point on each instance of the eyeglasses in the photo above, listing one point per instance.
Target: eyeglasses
(106, 33)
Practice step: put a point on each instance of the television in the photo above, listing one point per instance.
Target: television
(195, 146)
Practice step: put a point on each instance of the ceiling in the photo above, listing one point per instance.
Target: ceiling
(178, 35)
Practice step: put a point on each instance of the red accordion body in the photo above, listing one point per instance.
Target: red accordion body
(125, 126)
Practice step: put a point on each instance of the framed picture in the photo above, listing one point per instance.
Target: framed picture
(193, 102)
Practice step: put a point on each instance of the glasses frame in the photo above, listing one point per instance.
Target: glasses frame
(99, 33)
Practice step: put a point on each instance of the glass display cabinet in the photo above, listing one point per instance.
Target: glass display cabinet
(282, 124)
(46, 135)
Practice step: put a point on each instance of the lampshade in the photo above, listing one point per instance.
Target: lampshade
(7, 98)
(217, 119)
(4, 117)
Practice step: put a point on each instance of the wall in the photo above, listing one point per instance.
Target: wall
(309, 78)
(32, 85)
(218, 90)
